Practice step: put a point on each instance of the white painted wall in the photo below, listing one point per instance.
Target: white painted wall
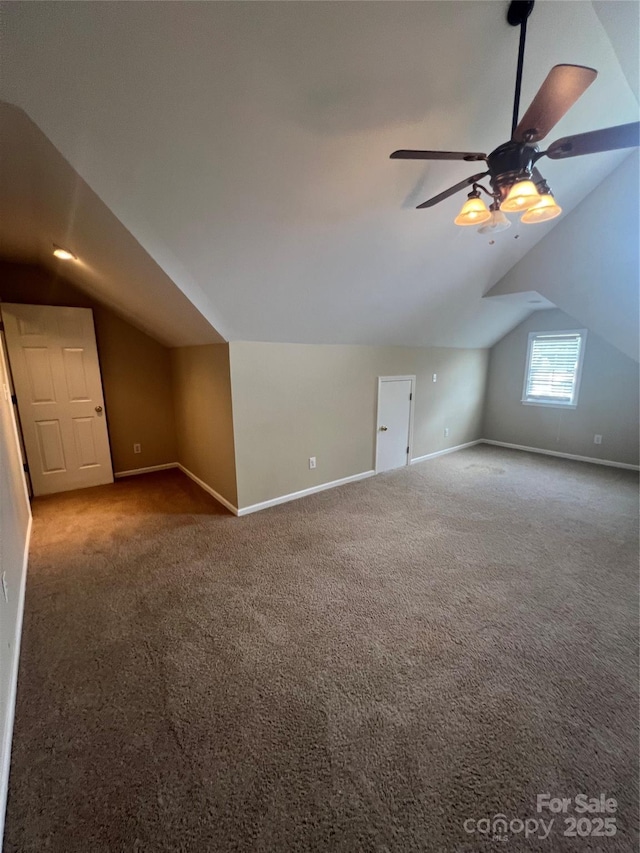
(15, 527)
(607, 402)
(589, 264)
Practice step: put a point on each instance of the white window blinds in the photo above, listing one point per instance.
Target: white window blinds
(553, 368)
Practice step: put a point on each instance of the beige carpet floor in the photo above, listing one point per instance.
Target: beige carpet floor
(362, 670)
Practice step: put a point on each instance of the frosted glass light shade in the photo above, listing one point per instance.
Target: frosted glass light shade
(63, 254)
(522, 196)
(547, 208)
(497, 222)
(474, 212)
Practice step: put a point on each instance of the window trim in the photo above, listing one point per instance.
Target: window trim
(552, 404)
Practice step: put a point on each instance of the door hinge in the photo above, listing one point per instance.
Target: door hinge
(14, 399)
(411, 396)
(407, 449)
(25, 467)
(1, 326)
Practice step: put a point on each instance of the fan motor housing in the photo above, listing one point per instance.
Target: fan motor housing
(509, 162)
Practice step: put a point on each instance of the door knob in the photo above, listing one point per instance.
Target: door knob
(98, 409)
(383, 429)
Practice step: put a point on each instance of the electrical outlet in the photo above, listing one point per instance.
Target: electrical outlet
(597, 439)
(4, 587)
(137, 448)
(446, 432)
(312, 462)
(434, 378)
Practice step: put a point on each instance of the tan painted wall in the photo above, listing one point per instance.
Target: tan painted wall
(14, 522)
(136, 370)
(292, 401)
(204, 420)
(607, 403)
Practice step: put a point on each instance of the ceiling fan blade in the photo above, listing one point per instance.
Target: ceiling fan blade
(405, 154)
(559, 92)
(607, 139)
(452, 190)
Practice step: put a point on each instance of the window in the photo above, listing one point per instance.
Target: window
(554, 364)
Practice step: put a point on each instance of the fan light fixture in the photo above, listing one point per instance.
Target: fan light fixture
(63, 254)
(474, 211)
(497, 222)
(534, 200)
(516, 184)
(522, 195)
(547, 208)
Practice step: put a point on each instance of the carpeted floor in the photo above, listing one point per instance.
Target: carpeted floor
(362, 670)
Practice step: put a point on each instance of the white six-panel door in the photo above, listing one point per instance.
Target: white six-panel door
(395, 406)
(56, 373)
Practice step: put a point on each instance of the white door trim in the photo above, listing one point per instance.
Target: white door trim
(382, 379)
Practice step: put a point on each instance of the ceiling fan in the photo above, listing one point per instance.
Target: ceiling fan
(516, 184)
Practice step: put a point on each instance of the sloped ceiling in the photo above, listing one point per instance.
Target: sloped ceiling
(597, 286)
(245, 147)
(43, 201)
(621, 21)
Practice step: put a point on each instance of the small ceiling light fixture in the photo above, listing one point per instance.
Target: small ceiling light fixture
(497, 222)
(547, 208)
(474, 210)
(63, 254)
(522, 195)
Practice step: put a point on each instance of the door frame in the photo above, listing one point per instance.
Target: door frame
(412, 401)
(6, 370)
(4, 355)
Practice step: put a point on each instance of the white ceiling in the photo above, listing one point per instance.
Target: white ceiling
(245, 147)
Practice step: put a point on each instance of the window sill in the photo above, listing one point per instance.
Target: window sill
(549, 405)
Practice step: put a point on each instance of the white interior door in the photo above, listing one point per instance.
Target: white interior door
(395, 405)
(54, 362)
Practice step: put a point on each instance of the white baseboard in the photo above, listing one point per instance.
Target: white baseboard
(118, 474)
(608, 462)
(304, 492)
(7, 735)
(254, 507)
(447, 450)
(189, 474)
(209, 490)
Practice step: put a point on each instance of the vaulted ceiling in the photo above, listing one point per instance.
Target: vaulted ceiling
(244, 146)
